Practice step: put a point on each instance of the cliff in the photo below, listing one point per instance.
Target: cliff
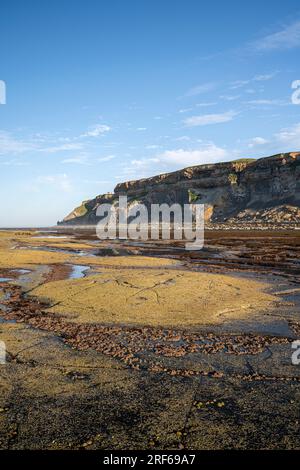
(246, 189)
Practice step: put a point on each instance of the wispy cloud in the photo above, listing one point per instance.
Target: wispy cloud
(207, 154)
(144, 161)
(286, 140)
(60, 182)
(230, 97)
(208, 119)
(267, 102)
(185, 110)
(257, 141)
(265, 77)
(204, 104)
(200, 89)
(287, 37)
(14, 162)
(97, 130)
(85, 160)
(239, 84)
(61, 148)
(108, 158)
(290, 136)
(152, 147)
(172, 159)
(257, 78)
(14, 146)
(79, 160)
(183, 138)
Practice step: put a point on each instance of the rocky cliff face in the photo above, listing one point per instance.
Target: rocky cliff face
(241, 189)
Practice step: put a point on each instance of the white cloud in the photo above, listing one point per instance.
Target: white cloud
(197, 105)
(286, 140)
(84, 160)
(81, 160)
(141, 128)
(97, 182)
(13, 146)
(287, 38)
(209, 153)
(144, 162)
(267, 102)
(152, 147)
(97, 130)
(14, 162)
(207, 119)
(265, 77)
(199, 89)
(173, 159)
(256, 141)
(258, 78)
(239, 84)
(61, 148)
(183, 138)
(230, 97)
(290, 137)
(58, 182)
(106, 159)
(185, 110)
(203, 105)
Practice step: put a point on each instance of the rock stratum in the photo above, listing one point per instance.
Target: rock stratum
(245, 190)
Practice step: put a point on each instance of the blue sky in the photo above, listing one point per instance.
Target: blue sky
(99, 92)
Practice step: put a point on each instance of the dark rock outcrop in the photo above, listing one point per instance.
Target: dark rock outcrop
(231, 190)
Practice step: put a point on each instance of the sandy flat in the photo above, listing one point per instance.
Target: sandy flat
(155, 297)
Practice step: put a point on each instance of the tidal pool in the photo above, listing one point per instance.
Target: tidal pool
(78, 271)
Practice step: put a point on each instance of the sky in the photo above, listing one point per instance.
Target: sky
(100, 92)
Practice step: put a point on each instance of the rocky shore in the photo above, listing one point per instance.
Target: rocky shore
(146, 346)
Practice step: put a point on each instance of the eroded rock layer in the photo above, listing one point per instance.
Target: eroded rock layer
(246, 189)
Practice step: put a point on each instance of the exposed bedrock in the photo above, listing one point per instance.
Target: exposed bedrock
(241, 189)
